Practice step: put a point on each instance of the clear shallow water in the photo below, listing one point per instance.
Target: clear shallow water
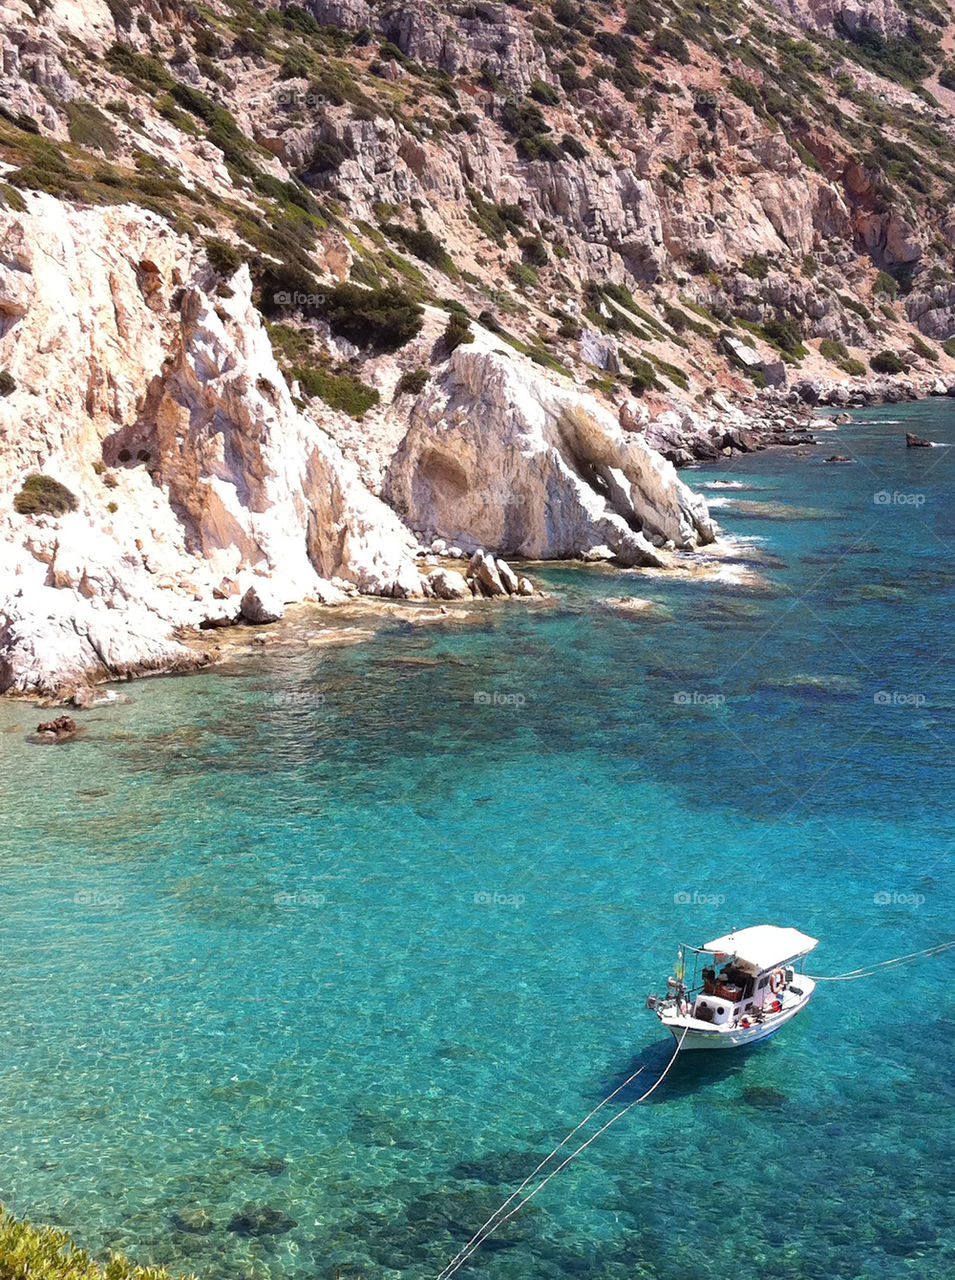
(249, 954)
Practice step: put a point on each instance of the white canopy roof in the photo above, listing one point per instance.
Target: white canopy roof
(763, 946)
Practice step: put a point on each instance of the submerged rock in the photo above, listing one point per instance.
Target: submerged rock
(272, 1165)
(761, 1095)
(192, 1219)
(260, 1220)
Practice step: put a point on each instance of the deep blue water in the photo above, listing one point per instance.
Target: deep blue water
(249, 954)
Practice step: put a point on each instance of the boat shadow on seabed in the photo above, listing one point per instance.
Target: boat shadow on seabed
(691, 1071)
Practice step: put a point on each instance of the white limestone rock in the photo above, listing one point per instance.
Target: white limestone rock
(120, 356)
(499, 456)
(448, 584)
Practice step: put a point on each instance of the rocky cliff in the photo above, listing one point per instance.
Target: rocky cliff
(289, 291)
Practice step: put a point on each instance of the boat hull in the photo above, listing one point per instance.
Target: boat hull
(691, 1033)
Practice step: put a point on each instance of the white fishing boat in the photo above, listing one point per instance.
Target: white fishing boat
(752, 985)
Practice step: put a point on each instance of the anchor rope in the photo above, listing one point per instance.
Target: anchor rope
(867, 971)
(488, 1229)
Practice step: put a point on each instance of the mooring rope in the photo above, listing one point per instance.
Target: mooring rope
(868, 970)
(488, 1229)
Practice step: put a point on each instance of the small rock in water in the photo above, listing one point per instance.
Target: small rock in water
(262, 603)
(839, 457)
(483, 570)
(508, 577)
(260, 1220)
(916, 442)
(61, 727)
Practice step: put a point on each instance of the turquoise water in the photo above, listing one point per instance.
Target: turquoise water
(324, 931)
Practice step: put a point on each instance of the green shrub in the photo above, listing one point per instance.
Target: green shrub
(924, 350)
(534, 250)
(8, 382)
(644, 375)
(412, 383)
(42, 495)
(539, 147)
(572, 147)
(121, 13)
(458, 330)
(566, 12)
(523, 119)
(700, 262)
(640, 18)
(524, 277)
(381, 318)
(756, 266)
(422, 244)
(540, 91)
(675, 318)
(670, 42)
(832, 350)
(88, 127)
(225, 258)
(326, 157)
(342, 391)
(140, 68)
(855, 368)
(785, 335)
(886, 362)
(885, 284)
(948, 346)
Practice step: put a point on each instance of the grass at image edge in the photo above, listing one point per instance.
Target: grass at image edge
(47, 1253)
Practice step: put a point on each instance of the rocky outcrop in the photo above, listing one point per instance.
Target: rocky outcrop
(161, 408)
(500, 456)
(261, 605)
(883, 17)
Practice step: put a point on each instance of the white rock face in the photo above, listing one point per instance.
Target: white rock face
(123, 360)
(498, 456)
(53, 640)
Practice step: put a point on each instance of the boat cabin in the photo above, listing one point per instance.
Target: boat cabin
(749, 973)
